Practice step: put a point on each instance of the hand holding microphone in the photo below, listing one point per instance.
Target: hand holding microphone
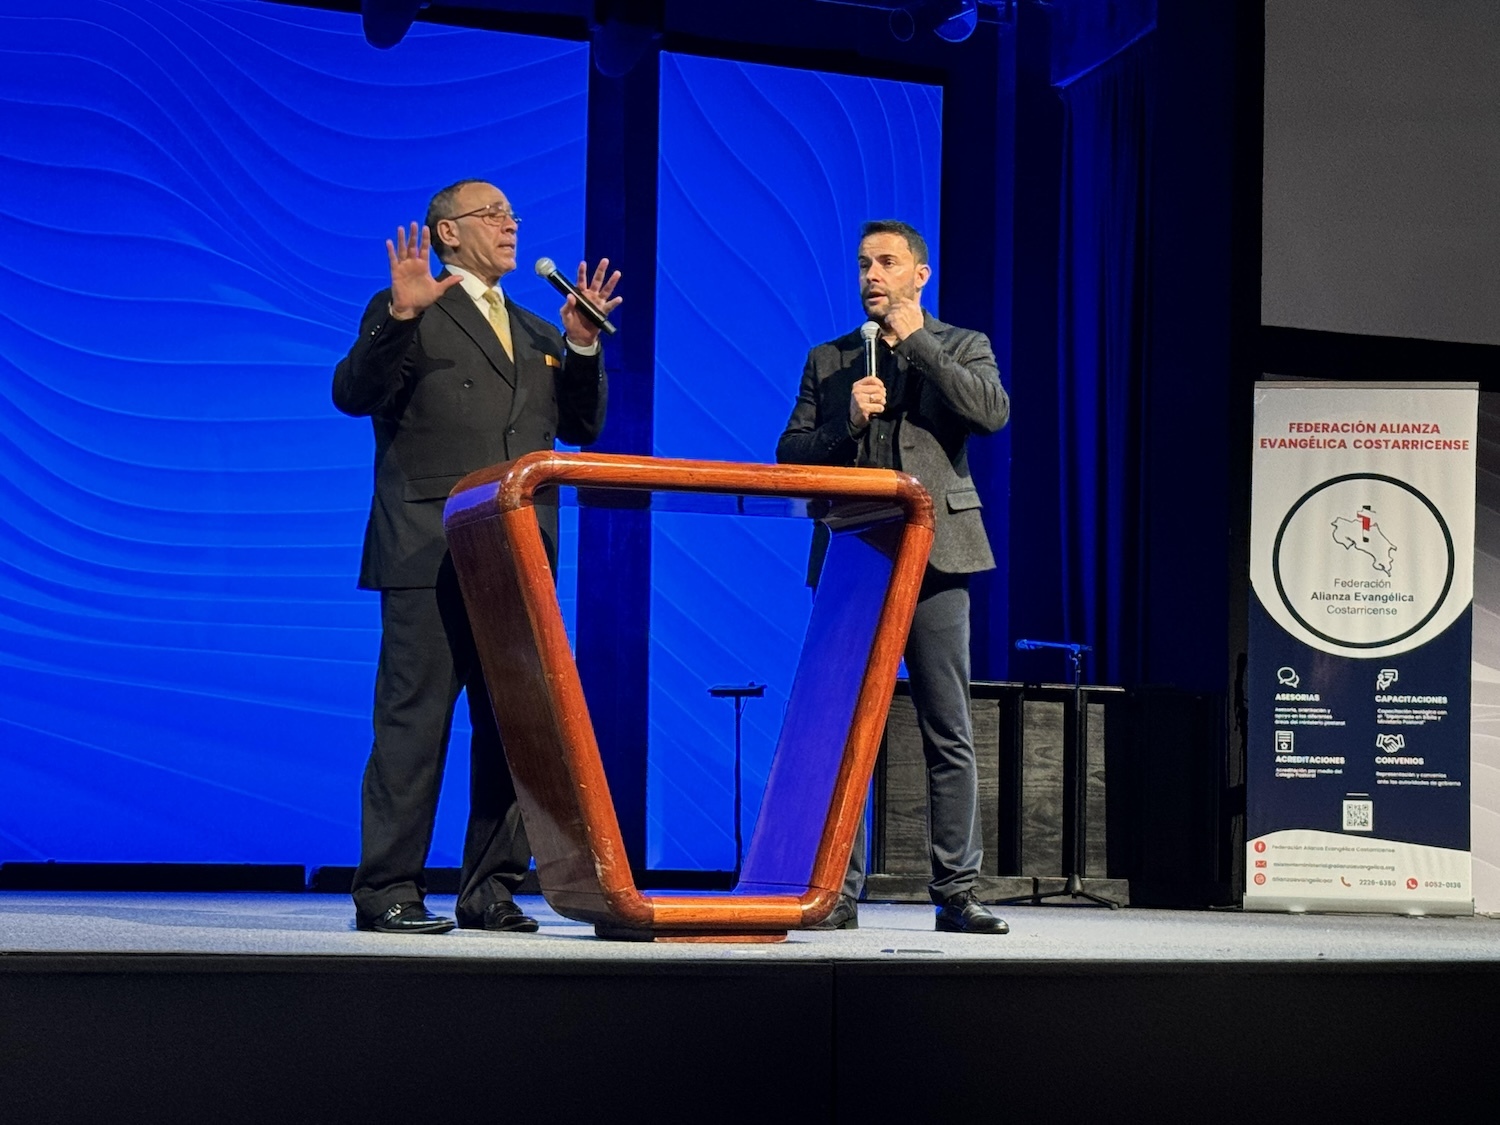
(588, 304)
(867, 398)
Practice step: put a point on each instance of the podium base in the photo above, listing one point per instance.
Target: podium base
(623, 933)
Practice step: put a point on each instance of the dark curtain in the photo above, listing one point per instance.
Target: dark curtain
(1102, 297)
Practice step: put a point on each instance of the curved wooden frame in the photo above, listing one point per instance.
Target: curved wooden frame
(815, 793)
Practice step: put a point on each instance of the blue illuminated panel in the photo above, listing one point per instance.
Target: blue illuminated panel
(766, 174)
(195, 196)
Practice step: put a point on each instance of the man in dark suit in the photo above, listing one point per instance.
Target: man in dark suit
(936, 384)
(454, 377)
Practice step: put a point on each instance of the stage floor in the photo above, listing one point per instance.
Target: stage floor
(292, 925)
(255, 1007)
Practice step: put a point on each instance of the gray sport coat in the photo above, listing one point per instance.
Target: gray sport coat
(958, 393)
(444, 400)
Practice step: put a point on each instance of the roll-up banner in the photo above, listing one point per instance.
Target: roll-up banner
(1361, 635)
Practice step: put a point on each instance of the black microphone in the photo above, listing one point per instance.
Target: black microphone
(547, 268)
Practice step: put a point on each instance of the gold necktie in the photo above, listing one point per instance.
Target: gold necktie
(499, 320)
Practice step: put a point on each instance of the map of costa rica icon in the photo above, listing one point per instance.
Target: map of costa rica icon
(1363, 534)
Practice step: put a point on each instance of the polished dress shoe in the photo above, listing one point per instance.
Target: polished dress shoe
(845, 916)
(503, 917)
(965, 914)
(406, 918)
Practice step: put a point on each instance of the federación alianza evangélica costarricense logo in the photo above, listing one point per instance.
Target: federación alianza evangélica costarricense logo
(1363, 560)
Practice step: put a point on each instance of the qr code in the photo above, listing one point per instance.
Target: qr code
(1359, 816)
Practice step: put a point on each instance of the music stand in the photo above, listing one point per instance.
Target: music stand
(739, 694)
(1075, 756)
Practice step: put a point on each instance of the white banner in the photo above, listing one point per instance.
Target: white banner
(1358, 678)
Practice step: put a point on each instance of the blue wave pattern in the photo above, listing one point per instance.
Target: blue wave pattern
(765, 174)
(196, 194)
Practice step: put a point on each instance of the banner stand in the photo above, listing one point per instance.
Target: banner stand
(1361, 640)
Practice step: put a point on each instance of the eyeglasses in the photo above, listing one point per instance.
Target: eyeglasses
(496, 214)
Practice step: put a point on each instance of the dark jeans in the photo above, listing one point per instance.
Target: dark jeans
(937, 662)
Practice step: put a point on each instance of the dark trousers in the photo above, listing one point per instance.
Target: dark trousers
(937, 662)
(426, 658)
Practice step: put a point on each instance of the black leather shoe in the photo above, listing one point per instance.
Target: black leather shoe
(406, 918)
(845, 916)
(965, 914)
(504, 917)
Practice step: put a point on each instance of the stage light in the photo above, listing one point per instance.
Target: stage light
(952, 20)
(386, 22)
(620, 45)
(958, 24)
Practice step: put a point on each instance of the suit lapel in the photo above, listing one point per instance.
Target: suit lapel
(838, 384)
(853, 356)
(458, 305)
(535, 342)
(528, 356)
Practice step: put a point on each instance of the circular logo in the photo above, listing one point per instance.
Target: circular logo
(1363, 560)
(1260, 845)
(1411, 884)
(1259, 879)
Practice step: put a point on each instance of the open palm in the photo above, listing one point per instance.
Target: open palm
(413, 288)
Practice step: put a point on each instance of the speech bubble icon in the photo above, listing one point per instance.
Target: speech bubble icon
(1288, 676)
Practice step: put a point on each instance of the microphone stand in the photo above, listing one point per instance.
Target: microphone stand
(1075, 755)
(739, 694)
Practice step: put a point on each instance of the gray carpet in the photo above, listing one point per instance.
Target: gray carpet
(320, 925)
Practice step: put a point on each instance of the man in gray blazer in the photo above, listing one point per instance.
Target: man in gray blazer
(936, 384)
(454, 377)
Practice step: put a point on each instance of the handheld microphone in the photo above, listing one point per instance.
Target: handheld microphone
(546, 269)
(868, 332)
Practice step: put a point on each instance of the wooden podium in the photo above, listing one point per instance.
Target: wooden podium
(815, 792)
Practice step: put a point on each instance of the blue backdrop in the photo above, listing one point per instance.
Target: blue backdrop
(195, 194)
(765, 176)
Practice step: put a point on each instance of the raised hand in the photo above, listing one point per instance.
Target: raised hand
(413, 288)
(903, 317)
(866, 400)
(578, 328)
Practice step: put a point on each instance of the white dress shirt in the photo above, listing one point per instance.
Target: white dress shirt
(476, 288)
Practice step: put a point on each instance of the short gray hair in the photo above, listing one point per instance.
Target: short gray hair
(440, 206)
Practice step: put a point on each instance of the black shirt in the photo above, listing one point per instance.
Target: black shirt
(877, 445)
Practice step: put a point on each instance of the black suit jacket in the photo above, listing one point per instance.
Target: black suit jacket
(954, 391)
(445, 399)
